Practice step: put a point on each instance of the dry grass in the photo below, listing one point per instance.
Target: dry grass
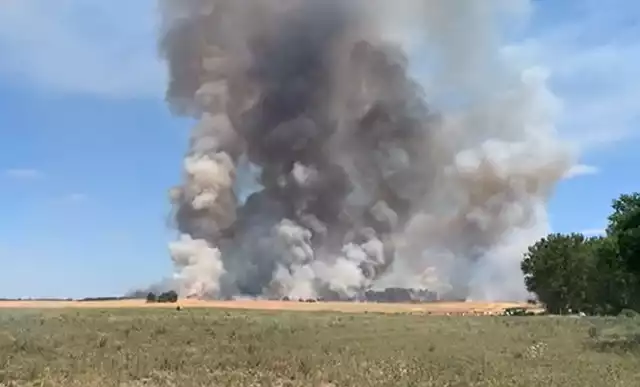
(347, 307)
(158, 347)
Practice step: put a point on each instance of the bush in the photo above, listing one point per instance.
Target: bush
(630, 313)
(516, 312)
(618, 335)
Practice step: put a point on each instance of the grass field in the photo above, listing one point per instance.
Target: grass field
(214, 347)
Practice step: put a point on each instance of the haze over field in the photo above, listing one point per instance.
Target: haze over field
(361, 182)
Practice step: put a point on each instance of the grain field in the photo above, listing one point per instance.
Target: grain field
(160, 347)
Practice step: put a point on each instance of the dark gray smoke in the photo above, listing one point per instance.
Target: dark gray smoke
(361, 182)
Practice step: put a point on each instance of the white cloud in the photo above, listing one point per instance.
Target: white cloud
(92, 46)
(23, 173)
(592, 54)
(581, 170)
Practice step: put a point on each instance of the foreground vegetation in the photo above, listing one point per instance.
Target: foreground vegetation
(161, 347)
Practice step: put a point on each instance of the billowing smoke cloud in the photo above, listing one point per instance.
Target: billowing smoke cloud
(366, 177)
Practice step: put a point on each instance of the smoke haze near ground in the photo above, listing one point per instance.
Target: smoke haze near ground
(366, 178)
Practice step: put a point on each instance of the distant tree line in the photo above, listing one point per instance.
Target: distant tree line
(35, 299)
(166, 297)
(88, 299)
(594, 275)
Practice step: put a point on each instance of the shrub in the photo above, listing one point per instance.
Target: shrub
(630, 313)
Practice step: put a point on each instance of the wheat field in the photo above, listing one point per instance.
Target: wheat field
(436, 308)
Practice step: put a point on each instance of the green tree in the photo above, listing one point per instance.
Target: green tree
(151, 297)
(595, 275)
(559, 270)
(170, 296)
(610, 286)
(624, 226)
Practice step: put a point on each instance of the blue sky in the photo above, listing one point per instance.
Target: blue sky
(88, 149)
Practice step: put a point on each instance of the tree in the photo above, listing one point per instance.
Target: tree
(594, 275)
(611, 283)
(151, 297)
(559, 270)
(170, 296)
(624, 226)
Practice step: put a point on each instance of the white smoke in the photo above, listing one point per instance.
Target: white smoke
(507, 156)
(367, 178)
(199, 267)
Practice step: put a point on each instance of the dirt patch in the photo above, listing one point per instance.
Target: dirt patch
(438, 308)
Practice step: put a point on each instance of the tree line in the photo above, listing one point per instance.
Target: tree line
(597, 275)
(166, 297)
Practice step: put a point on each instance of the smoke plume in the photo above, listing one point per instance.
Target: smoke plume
(366, 177)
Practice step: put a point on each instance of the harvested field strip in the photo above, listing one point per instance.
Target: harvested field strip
(350, 307)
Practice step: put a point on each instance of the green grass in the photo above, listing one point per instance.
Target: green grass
(158, 347)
